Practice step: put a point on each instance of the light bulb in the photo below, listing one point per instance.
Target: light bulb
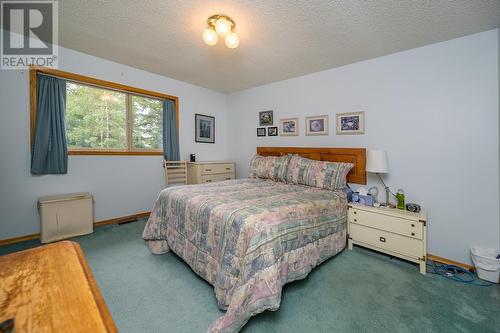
(232, 40)
(210, 37)
(222, 26)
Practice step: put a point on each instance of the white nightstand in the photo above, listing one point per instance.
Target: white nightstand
(397, 232)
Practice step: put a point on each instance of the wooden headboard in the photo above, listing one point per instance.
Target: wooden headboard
(356, 156)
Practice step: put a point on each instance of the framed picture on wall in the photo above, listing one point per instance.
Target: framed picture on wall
(317, 125)
(289, 126)
(204, 128)
(266, 118)
(351, 123)
(272, 131)
(261, 131)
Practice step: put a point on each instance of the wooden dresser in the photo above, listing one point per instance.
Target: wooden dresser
(51, 289)
(208, 172)
(393, 231)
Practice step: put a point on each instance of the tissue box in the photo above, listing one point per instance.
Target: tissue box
(366, 200)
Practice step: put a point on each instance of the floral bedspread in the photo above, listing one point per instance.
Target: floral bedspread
(248, 237)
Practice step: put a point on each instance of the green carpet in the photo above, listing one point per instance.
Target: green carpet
(357, 291)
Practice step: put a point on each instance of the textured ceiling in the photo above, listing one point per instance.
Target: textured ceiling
(278, 39)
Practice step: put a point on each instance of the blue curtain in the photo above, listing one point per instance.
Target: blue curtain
(170, 133)
(49, 154)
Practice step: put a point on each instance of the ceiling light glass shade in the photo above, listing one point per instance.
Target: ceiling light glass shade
(210, 37)
(232, 40)
(222, 26)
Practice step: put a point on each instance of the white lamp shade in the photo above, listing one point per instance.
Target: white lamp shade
(376, 161)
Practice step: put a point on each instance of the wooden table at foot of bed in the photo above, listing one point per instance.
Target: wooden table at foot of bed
(51, 289)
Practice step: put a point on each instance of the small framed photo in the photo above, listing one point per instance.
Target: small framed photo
(205, 128)
(261, 131)
(272, 131)
(351, 123)
(266, 118)
(317, 125)
(289, 126)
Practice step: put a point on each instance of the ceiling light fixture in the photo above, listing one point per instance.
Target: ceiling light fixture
(222, 25)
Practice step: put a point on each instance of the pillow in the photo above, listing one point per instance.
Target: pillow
(270, 167)
(328, 175)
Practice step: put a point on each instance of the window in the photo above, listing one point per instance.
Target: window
(95, 118)
(147, 129)
(108, 118)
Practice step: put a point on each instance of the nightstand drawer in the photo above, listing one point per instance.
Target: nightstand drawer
(217, 178)
(392, 224)
(210, 169)
(386, 240)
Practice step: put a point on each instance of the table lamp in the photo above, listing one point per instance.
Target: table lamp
(376, 162)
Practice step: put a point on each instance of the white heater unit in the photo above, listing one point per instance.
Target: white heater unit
(64, 216)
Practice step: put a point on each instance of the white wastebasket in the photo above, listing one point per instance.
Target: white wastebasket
(487, 266)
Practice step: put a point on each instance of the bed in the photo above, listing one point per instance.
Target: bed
(248, 237)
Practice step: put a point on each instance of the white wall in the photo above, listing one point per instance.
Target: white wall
(434, 109)
(122, 185)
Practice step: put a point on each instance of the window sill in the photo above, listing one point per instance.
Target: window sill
(115, 152)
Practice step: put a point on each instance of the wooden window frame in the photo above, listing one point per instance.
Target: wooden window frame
(86, 80)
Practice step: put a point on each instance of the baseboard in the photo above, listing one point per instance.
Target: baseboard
(19, 239)
(116, 220)
(122, 219)
(445, 261)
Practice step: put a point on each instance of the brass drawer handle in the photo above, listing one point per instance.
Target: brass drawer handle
(355, 220)
(228, 168)
(413, 225)
(208, 169)
(229, 178)
(208, 180)
(382, 239)
(413, 234)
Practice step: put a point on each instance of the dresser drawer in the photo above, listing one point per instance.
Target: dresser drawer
(393, 224)
(386, 240)
(217, 177)
(210, 169)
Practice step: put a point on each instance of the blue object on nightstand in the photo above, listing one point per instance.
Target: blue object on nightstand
(366, 200)
(349, 194)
